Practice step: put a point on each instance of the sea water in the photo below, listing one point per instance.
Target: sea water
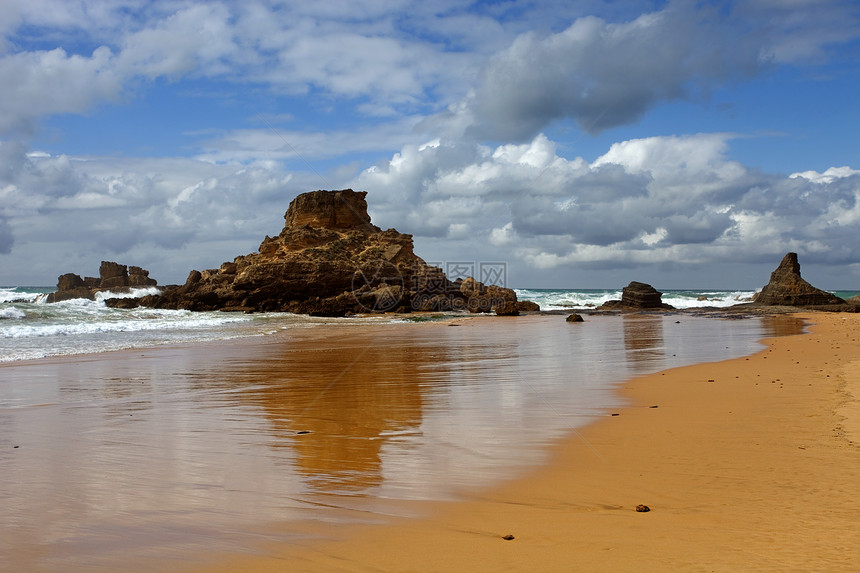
(31, 328)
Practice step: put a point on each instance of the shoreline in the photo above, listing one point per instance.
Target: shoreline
(749, 463)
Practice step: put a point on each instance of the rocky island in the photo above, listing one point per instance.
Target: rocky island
(113, 277)
(329, 260)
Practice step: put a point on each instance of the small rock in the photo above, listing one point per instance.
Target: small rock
(302, 432)
(574, 318)
(508, 537)
(642, 508)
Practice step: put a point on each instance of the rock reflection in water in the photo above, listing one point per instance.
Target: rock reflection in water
(782, 325)
(336, 407)
(643, 340)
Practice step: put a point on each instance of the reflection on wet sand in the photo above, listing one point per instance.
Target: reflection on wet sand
(337, 407)
(643, 339)
(152, 454)
(782, 325)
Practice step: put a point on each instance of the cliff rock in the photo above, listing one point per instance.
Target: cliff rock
(330, 260)
(787, 288)
(637, 296)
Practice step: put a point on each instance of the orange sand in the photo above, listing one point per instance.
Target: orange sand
(749, 464)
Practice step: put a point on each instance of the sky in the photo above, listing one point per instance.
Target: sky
(584, 144)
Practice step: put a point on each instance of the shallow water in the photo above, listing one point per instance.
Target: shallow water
(160, 453)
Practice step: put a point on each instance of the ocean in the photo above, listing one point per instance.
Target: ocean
(30, 328)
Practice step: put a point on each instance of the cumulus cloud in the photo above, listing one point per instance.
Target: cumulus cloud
(602, 74)
(53, 82)
(650, 201)
(107, 51)
(110, 206)
(645, 201)
(829, 176)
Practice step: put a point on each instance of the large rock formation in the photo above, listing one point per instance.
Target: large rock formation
(637, 296)
(330, 260)
(113, 277)
(787, 288)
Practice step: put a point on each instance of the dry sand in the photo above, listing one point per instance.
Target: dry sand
(747, 465)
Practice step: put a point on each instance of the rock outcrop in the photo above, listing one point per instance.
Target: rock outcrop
(330, 260)
(527, 306)
(637, 296)
(787, 288)
(113, 277)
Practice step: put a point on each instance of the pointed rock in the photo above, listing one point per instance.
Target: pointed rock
(787, 288)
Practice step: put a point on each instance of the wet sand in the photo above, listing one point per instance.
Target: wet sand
(748, 464)
(393, 447)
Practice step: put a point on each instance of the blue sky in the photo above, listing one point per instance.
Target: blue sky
(586, 144)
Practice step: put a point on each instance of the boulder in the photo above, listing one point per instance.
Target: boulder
(637, 296)
(70, 281)
(787, 288)
(527, 306)
(574, 318)
(486, 298)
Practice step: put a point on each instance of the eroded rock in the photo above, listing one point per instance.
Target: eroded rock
(113, 277)
(330, 260)
(787, 288)
(637, 296)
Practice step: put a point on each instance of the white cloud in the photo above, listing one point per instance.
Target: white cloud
(829, 176)
(645, 201)
(53, 82)
(115, 206)
(196, 39)
(603, 74)
(802, 31)
(518, 203)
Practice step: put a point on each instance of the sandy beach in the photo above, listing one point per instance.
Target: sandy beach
(751, 464)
